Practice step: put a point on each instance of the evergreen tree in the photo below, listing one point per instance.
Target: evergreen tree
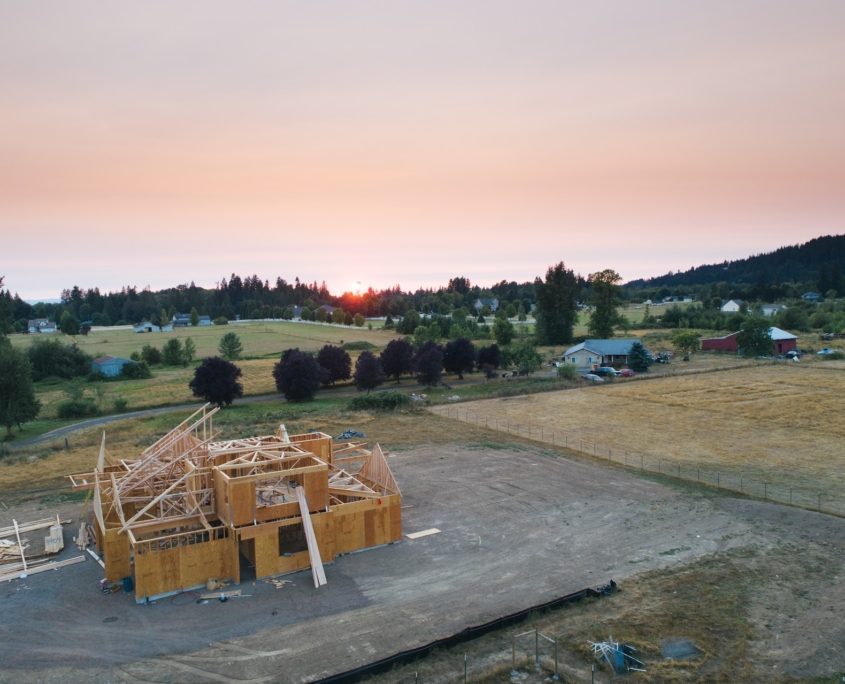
(173, 353)
(189, 350)
(606, 298)
(230, 346)
(503, 331)
(638, 358)
(195, 317)
(557, 309)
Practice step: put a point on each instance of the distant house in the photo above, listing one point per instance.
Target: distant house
(146, 326)
(771, 309)
(732, 306)
(327, 308)
(109, 365)
(590, 353)
(493, 303)
(41, 325)
(297, 312)
(184, 320)
(782, 342)
(810, 296)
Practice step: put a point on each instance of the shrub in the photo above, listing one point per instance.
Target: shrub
(136, 371)
(120, 404)
(97, 376)
(77, 408)
(380, 401)
(172, 353)
(221, 320)
(152, 355)
(361, 345)
(567, 371)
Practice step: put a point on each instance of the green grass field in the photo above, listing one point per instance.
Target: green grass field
(260, 339)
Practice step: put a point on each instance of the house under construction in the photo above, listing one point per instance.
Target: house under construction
(189, 507)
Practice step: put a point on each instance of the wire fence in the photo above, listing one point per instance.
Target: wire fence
(729, 480)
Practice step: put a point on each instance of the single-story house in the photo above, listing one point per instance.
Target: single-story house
(326, 308)
(771, 309)
(592, 353)
(732, 306)
(109, 365)
(184, 320)
(810, 296)
(146, 326)
(782, 342)
(493, 303)
(41, 325)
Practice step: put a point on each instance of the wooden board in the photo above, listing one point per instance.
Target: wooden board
(424, 533)
(313, 549)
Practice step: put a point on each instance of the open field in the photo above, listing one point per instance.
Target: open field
(258, 338)
(520, 525)
(777, 423)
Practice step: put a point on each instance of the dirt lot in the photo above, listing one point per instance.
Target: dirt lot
(518, 526)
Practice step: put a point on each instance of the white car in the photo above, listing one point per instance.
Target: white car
(590, 377)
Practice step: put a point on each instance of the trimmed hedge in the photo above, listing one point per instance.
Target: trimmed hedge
(380, 401)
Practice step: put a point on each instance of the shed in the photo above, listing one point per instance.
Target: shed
(782, 342)
(732, 306)
(591, 353)
(111, 366)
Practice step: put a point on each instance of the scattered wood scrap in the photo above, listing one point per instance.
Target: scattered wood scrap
(279, 583)
(219, 594)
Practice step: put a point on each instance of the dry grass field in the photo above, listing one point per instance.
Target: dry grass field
(258, 339)
(779, 423)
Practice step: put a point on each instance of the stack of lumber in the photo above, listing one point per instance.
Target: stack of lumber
(15, 562)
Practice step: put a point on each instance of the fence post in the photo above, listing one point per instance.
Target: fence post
(536, 649)
(698, 477)
(790, 496)
(642, 467)
(513, 655)
(718, 479)
(765, 490)
(465, 668)
(820, 502)
(740, 483)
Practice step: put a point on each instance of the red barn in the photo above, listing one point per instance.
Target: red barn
(782, 342)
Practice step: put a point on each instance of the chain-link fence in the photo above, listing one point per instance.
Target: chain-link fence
(631, 457)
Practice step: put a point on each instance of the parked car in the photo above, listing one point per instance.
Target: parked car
(626, 373)
(592, 377)
(606, 372)
(825, 351)
(794, 354)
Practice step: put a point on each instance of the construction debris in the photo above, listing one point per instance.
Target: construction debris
(221, 595)
(618, 656)
(189, 506)
(279, 583)
(43, 567)
(678, 648)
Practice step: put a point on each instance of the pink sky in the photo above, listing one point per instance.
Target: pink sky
(158, 143)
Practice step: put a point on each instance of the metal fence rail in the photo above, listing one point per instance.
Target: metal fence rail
(732, 481)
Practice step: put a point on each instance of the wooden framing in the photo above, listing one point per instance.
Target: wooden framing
(189, 506)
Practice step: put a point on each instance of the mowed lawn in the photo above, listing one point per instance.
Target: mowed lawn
(258, 339)
(779, 423)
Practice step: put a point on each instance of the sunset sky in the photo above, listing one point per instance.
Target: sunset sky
(157, 143)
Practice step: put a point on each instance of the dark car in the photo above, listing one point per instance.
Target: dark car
(605, 372)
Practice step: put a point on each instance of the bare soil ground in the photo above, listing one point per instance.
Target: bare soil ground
(519, 525)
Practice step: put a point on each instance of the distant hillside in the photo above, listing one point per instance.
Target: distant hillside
(798, 263)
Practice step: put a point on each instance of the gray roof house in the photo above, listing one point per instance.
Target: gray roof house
(810, 296)
(492, 302)
(111, 366)
(41, 325)
(591, 353)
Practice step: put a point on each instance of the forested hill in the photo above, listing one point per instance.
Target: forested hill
(798, 263)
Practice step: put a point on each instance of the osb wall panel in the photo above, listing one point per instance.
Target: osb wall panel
(116, 555)
(362, 524)
(269, 562)
(221, 503)
(242, 500)
(185, 566)
(285, 510)
(316, 490)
